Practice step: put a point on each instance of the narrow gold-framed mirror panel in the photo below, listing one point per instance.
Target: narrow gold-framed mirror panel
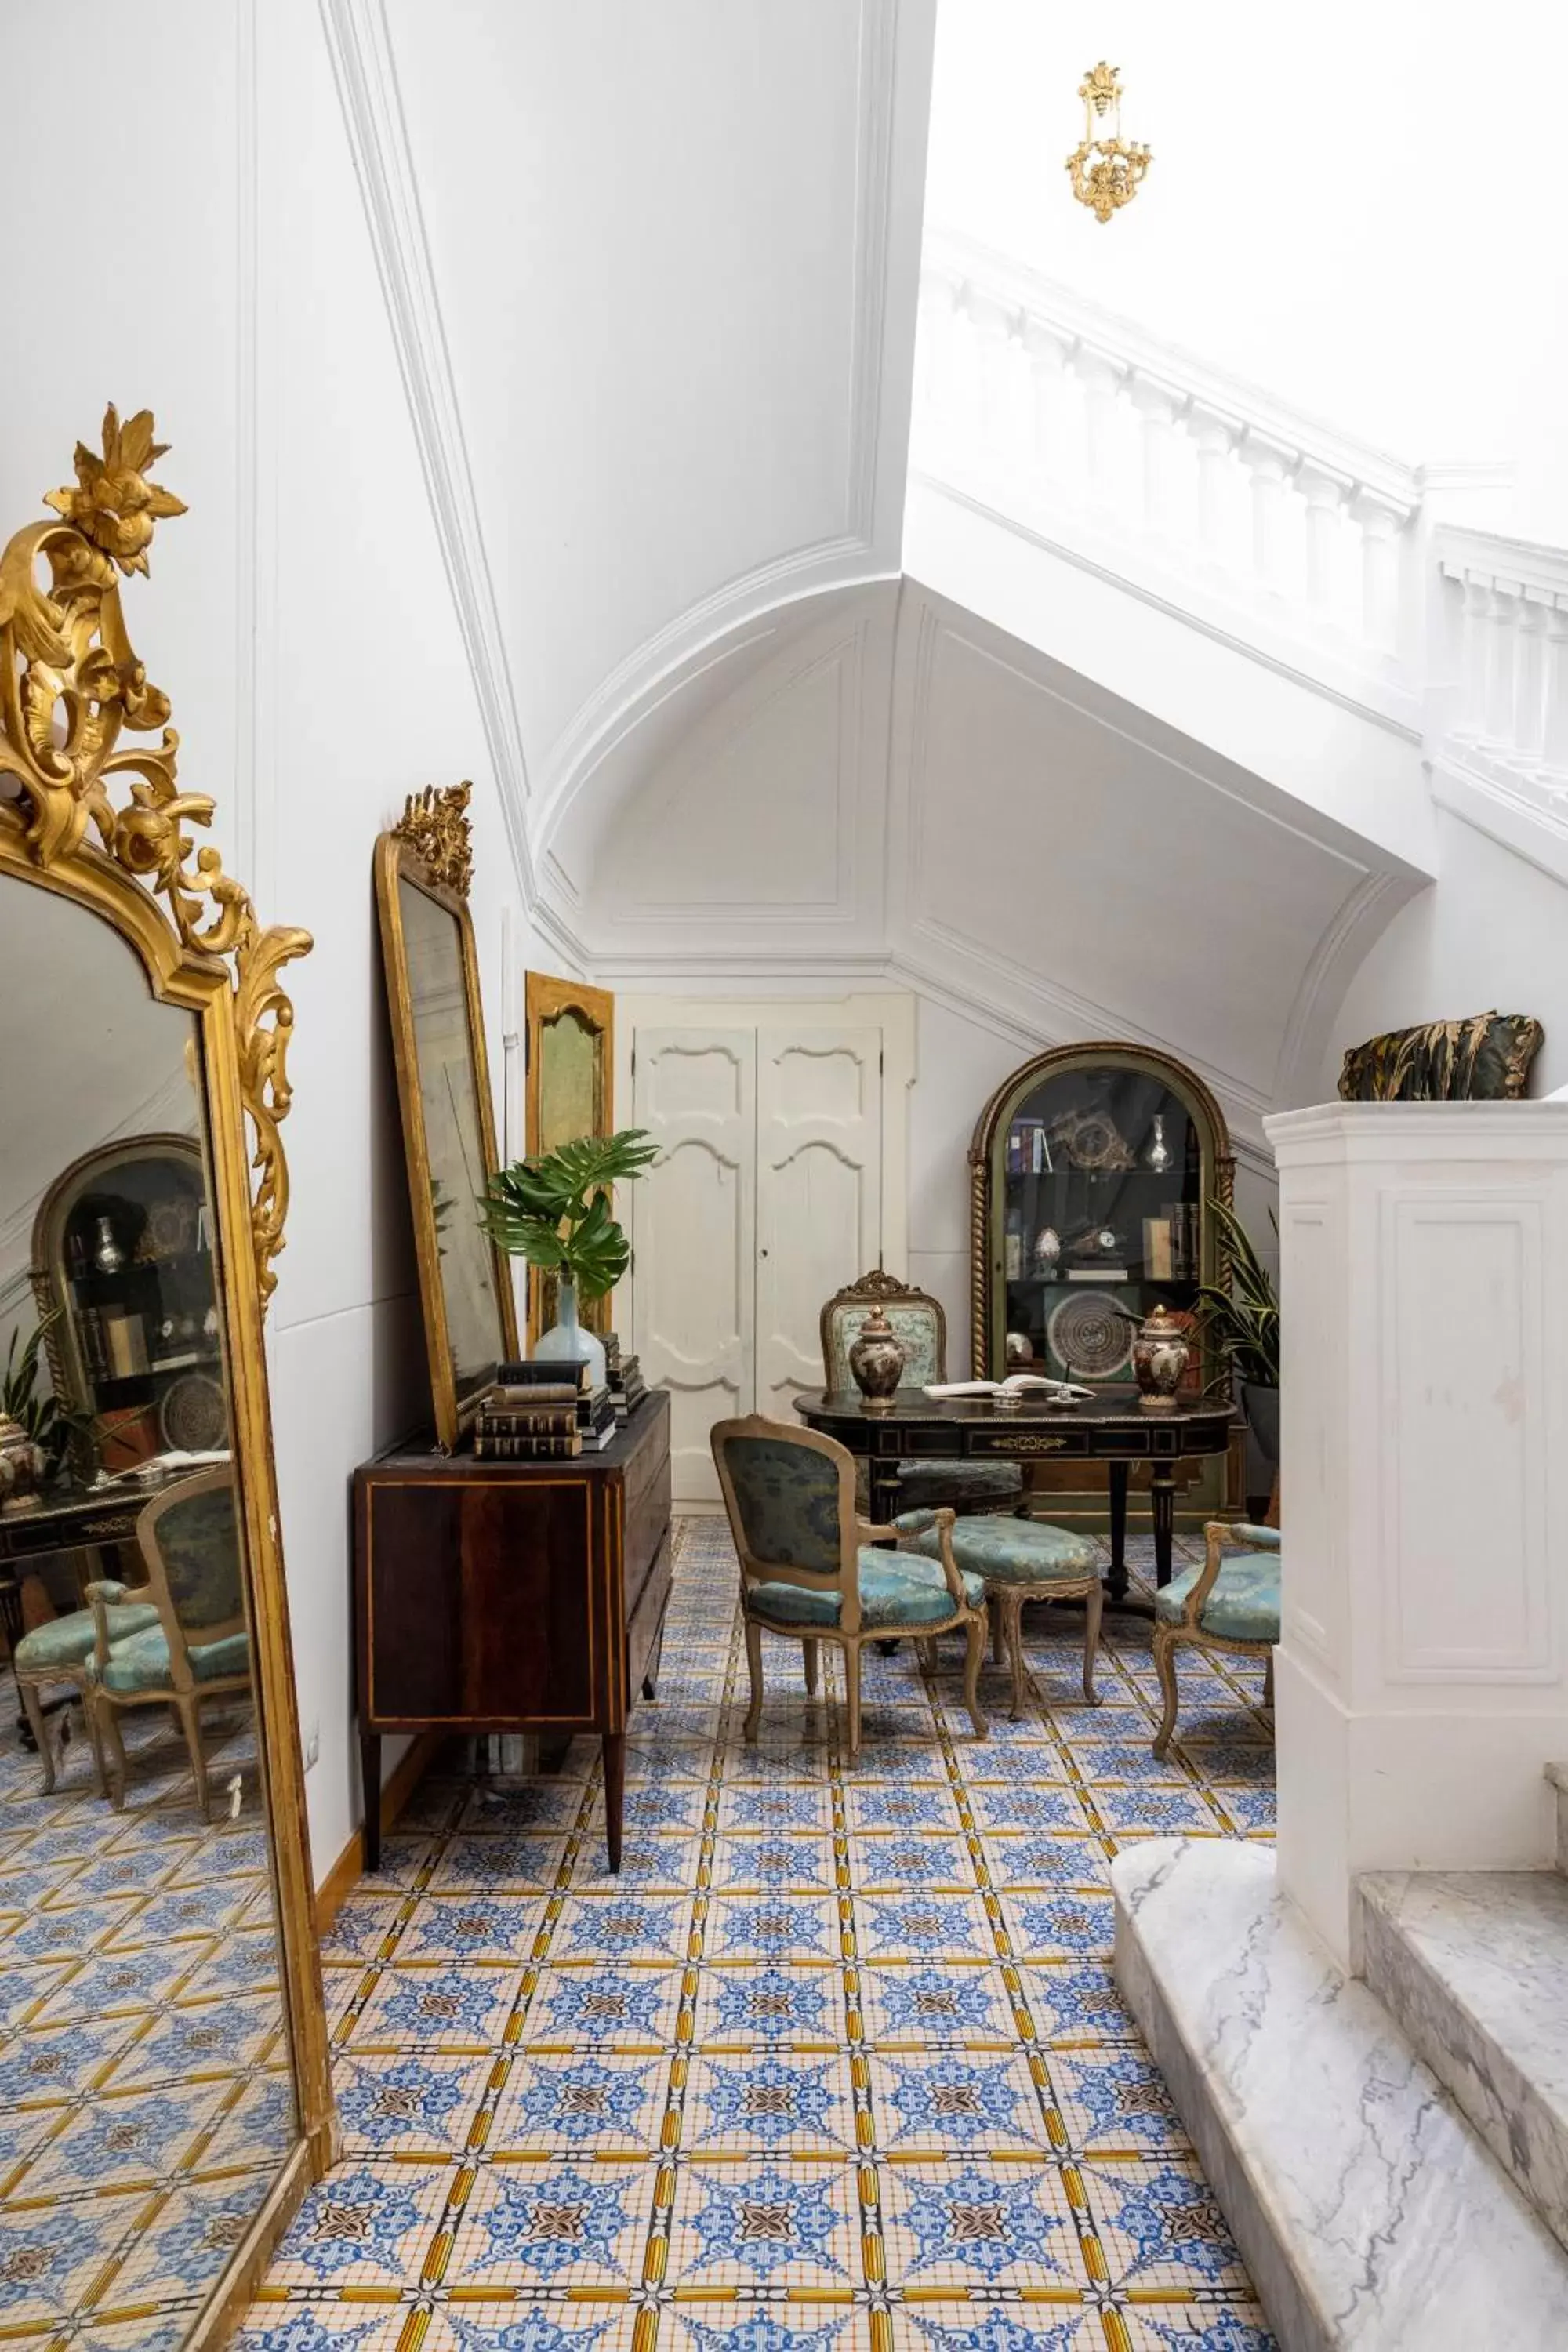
(105, 826)
(571, 1065)
(422, 868)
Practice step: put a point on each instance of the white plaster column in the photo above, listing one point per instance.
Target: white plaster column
(1472, 659)
(1528, 732)
(1554, 716)
(1099, 376)
(1156, 410)
(1325, 495)
(1379, 532)
(1214, 436)
(1047, 348)
(1422, 1676)
(1269, 465)
(994, 323)
(1503, 610)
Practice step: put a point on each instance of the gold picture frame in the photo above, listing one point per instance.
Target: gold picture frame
(424, 863)
(71, 689)
(551, 1003)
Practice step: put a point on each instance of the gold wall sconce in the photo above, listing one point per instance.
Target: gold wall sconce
(1107, 172)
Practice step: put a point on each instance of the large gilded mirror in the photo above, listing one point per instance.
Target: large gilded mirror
(167, 2098)
(422, 868)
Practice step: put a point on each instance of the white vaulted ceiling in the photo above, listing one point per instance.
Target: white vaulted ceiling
(654, 272)
(652, 278)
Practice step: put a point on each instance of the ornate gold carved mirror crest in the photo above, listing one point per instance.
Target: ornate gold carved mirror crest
(143, 1084)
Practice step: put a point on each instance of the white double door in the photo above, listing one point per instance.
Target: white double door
(766, 1197)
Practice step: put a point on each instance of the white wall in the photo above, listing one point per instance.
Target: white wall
(1487, 935)
(1342, 208)
(301, 620)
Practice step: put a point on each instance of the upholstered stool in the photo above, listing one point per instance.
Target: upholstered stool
(1229, 1604)
(966, 1485)
(62, 1652)
(1021, 1561)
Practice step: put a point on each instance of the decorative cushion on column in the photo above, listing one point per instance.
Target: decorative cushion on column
(1006, 1552)
(896, 1589)
(926, 1485)
(1243, 1604)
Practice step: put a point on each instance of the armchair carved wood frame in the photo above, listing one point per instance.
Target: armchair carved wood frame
(809, 1589)
(1188, 1625)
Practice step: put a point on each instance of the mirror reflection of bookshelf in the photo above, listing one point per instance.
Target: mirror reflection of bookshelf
(123, 1243)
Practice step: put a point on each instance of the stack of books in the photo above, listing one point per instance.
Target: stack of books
(628, 1386)
(543, 1412)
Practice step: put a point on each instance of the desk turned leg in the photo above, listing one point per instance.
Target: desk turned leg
(1162, 1486)
(370, 1779)
(1116, 1583)
(614, 1793)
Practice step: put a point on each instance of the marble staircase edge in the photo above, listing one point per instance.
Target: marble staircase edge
(1472, 1966)
(1368, 2212)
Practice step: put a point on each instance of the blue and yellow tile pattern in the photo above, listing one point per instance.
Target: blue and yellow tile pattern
(145, 2101)
(837, 2062)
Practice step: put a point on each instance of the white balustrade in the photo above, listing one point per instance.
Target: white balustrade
(1251, 517)
(1508, 716)
(1094, 424)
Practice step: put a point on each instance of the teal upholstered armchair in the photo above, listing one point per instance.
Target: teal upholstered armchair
(811, 1569)
(920, 1324)
(64, 1651)
(1231, 1603)
(198, 1648)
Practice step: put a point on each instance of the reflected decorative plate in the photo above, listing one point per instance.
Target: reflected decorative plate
(192, 1415)
(1090, 1334)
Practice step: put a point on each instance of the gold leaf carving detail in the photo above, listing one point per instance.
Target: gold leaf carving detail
(435, 825)
(70, 689)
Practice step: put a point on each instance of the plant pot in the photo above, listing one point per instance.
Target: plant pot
(1261, 1407)
(566, 1340)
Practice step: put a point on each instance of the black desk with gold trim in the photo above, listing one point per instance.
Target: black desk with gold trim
(1110, 1428)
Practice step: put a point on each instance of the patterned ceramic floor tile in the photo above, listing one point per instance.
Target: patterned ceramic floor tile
(837, 2062)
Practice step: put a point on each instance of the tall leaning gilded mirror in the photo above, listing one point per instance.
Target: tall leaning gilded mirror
(423, 866)
(166, 2095)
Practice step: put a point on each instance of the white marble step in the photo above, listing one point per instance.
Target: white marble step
(1558, 1776)
(1370, 2215)
(1473, 1967)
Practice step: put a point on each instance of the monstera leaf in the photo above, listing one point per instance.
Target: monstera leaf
(554, 1209)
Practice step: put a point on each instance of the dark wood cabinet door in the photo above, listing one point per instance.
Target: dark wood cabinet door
(483, 1600)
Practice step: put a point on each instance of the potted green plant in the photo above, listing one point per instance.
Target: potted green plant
(39, 1423)
(1243, 1320)
(554, 1210)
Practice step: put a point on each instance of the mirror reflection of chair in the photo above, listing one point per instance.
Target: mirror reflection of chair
(811, 1568)
(1231, 1603)
(63, 1653)
(921, 1326)
(198, 1647)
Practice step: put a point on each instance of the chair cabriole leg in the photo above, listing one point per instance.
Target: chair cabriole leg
(754, 1662)
(40, 1732)
(852, 1695)
(1166, 1667)
(1093, 1605)
(809, 1653)
(1013, 1610)
(974, 1639)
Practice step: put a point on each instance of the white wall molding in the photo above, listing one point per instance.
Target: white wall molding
(360, 43)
